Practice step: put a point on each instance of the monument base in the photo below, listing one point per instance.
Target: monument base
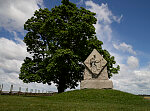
(96, 84)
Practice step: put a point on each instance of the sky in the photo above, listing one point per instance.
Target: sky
(122, 25)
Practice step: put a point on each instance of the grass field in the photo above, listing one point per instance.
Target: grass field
(78, 100)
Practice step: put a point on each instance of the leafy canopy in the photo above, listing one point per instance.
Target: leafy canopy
(59, 41)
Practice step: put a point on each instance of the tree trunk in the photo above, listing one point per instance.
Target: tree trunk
(60, 89)
(62, 84)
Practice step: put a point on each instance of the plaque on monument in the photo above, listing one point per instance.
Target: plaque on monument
(95, 73)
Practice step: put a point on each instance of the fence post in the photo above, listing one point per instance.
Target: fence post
(26, 90)
(11, 88)
(35, 90)
(31, 90)
(19, 92)
(0, 88)
(19, 89)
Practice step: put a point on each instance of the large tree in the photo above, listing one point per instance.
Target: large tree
(59, 41)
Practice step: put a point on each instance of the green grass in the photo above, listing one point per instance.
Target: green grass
(78, 100)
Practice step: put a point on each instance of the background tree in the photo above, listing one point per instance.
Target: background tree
(59, 41)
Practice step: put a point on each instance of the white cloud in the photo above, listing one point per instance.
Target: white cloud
(124, 47)
(131, 77)
(143, 73)
(11, 57)
(104, 19)
(131, 80)
(133, 62)
(11, 51)
(14, 13)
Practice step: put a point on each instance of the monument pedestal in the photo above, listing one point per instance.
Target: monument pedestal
(95, 73)
(96, 84)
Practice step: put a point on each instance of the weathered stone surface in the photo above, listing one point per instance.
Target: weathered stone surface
(96, 84)
(88, 75)
(95, 73)
(95, 62)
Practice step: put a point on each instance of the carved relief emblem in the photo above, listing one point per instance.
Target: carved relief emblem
(95, 62)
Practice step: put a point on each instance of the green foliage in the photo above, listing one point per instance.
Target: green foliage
(78, 100)
(59, 41)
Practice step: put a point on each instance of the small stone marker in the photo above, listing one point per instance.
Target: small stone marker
(1, 88)
(95, 73)
(11, 88)
(31, 90)
(35, 90)
(19, 89)
(26, 90)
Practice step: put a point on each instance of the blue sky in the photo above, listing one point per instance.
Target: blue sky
(123, 26)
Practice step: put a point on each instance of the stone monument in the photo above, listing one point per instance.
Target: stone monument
(95, 73)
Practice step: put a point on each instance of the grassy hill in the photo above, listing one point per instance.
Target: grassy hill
(78, 100)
